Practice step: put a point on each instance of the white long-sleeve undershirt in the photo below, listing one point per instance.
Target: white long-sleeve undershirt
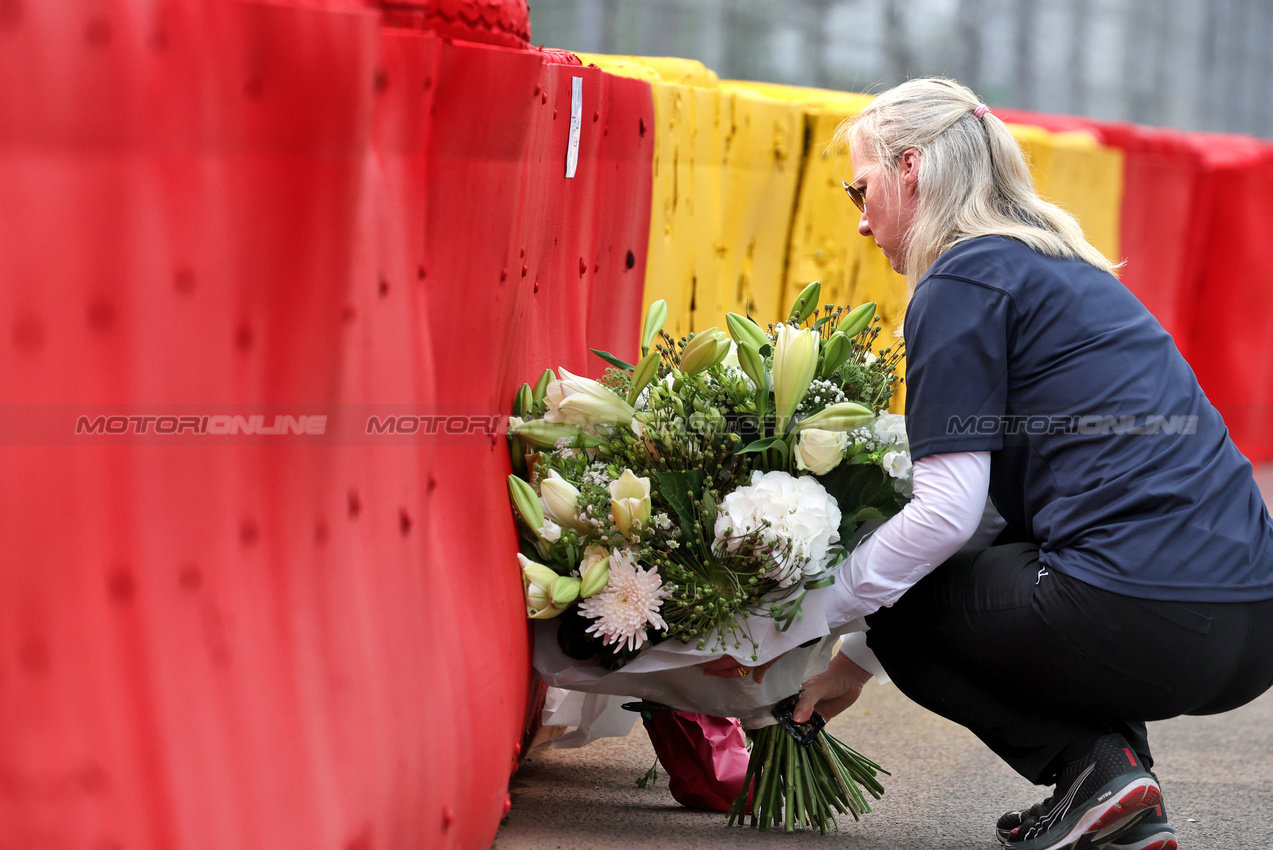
(949, 508)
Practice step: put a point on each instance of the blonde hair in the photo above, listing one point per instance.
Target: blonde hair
(973, 179)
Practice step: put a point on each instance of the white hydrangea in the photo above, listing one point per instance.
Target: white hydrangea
(890, 430)
(797, 510)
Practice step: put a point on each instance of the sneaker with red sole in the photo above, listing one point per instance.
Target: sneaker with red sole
(1098, 800)
(1153, 833)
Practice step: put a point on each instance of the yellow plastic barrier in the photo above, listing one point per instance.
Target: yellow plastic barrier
(748, 205)
(727, 164)
(1076, 172)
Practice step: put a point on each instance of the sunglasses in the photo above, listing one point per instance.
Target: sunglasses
(855, 195)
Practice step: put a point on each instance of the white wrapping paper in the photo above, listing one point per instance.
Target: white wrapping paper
(668, 674)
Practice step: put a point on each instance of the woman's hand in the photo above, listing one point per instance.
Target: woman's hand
(831, 692)
(727, 668)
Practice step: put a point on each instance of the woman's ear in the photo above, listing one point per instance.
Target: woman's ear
(908, 168)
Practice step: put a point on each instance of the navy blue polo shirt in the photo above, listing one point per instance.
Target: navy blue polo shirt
(1104, 449)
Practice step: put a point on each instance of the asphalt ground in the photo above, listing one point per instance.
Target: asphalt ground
(946, 789)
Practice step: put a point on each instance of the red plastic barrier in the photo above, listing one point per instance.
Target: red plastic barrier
(278, 642)
(1195, 208)
(524, 259)
(502, 22)
(1160, 181)
(1229, 346)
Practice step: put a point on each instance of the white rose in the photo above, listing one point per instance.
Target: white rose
(820, 451)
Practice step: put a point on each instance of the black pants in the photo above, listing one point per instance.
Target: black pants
(1039, 665)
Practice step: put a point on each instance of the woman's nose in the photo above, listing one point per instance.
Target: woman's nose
(864, 226)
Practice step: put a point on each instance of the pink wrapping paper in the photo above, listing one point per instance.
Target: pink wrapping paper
(705, 757)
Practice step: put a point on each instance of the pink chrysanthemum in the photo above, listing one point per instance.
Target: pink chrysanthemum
(630, 601)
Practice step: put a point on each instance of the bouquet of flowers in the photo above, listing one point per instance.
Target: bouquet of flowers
(697, 503)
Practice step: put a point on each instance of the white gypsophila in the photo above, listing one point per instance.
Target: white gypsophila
(865, 438)
(890, 430)
(628, 605)
(820, 395)
(782, 507)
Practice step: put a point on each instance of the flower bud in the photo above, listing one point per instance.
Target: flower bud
(543, 434)
(655, 318)
(857, 319)
(630, 502)
(565, 591)
(537, 392)
(820, 451)
(743, 329)
(753, 365)
(704, 350)
(560, 499)
(537, 583)
(524, 402)
(526, 502)
(795, 363)
(806, 303)
(834, 352)
(644, 372)
(594, 570)
(842, 416)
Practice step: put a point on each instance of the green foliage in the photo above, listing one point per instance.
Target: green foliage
(864, 492)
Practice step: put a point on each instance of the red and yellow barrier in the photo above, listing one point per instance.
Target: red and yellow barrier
(325, 208)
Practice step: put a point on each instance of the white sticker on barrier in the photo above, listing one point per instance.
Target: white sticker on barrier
(576, 124)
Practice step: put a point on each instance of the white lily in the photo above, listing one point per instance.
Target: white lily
(795, 362)
(576, 400)
(630, 502)
(537, 582)
(560, 499)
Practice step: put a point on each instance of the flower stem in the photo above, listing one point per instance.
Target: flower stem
(799, 785)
